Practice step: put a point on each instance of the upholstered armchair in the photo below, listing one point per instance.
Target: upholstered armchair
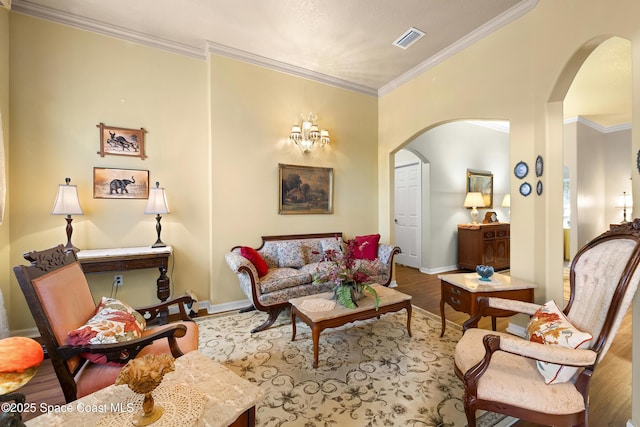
(545, 379)
(60, 301)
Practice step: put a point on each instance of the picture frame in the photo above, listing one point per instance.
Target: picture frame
(481, 182)
(109, 183)
(305, 190)
(117, 141)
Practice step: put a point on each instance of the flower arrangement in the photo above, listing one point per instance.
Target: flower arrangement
(351, 279)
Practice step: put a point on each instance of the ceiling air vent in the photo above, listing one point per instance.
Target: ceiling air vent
(411, 36)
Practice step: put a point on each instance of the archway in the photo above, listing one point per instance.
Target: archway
(452, 148)
(596, 148)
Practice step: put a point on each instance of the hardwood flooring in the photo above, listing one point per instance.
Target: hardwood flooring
(610, 397)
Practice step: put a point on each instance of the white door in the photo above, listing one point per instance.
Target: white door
(408, 202)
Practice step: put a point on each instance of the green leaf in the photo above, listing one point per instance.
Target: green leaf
(373, 293)
(343, 294)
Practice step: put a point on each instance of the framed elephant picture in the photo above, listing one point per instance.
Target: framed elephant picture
(120, 183)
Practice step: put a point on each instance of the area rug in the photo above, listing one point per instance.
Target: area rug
(370, 373)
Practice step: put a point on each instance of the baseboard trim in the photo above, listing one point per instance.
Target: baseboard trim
(438, 269)
(30, 333)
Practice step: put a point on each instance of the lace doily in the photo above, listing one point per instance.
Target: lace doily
(182, 405)
(318, 304)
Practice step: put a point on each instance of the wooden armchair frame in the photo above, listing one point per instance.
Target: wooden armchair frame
(586, 359)
(65, 358)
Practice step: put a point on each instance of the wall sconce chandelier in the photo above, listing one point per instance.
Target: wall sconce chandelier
(307, 135)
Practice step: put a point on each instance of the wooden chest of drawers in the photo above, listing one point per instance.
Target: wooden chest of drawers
(483, 244)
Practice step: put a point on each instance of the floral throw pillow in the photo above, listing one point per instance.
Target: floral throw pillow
(550, 326)
(113, 322)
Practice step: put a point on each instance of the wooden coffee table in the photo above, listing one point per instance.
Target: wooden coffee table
(313, 311)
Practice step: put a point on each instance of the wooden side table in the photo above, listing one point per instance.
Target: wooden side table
(461, 291)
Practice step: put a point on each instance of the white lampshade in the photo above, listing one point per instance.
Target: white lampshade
(157, 203)
(624, 201)
(506, 202)
(474, 200)
(67, 202)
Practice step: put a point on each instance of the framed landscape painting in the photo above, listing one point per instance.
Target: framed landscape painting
(481, 182)
(120, 183)
(305, 190)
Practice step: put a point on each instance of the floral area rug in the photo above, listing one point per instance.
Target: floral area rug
(370, 373)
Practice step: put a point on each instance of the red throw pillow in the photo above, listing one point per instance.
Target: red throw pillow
(366, 247)
(255, 258)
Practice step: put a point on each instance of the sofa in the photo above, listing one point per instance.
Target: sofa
(283, 267)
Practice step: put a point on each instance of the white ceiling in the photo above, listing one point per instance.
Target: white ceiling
(347, 43)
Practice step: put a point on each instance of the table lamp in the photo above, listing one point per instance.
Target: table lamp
(506, 202)
(473, 201)
(67, 203)
(157, 204)
(625, 201)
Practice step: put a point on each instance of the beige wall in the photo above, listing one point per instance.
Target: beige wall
(252, 110)
(217, 130)
(5, 270)
(64, 82)
(513, 74)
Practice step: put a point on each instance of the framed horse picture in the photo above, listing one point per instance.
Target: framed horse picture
(121, 141)
(120, 183)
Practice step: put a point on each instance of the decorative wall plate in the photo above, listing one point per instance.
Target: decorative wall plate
(539, 187)
(539, 166)
(521, 170)
(525, 189)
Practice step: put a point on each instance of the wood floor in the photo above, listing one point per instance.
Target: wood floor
(610, 397)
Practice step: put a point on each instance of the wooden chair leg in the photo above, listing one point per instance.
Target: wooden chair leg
(273, 315)
(247, 309)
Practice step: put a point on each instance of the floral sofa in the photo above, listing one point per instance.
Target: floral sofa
(283, 267)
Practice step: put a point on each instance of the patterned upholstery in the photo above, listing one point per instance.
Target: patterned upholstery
(292, 264)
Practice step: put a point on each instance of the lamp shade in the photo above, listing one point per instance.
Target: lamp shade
(506, 202)
(67, 202)
(473, 200)
(157, 203)
(624, 201)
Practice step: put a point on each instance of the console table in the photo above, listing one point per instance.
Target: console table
(125, 259)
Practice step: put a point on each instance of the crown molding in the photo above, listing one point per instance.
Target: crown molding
(596, 126)
(43, 12)
(479, 33)
(283, 67)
